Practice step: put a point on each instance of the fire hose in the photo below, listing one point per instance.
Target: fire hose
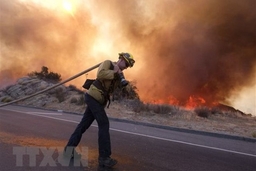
(55, 85)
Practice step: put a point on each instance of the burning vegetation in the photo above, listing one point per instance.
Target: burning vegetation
(188, 54)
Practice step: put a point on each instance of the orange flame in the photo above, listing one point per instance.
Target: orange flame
(192, 102)
(195, 102)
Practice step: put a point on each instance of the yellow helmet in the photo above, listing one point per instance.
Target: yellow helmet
(128, 57)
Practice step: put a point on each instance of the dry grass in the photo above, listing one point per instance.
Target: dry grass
(137, 106)
(254, 134)
(74, 88)
(60, 94)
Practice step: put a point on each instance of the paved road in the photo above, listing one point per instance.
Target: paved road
(33, 139)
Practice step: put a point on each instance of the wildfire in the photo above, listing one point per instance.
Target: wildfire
(194, 101)
(191, 103)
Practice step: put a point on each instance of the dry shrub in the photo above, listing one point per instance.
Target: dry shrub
(60, 95)
(137, 106)
(73, 100)
(6, 100)
(74, 88)
(162, 108)
(128, 92)
(216, 110)
(203, 112)
(44, 74)
(78, 100)
(254, 134)
(81, 100)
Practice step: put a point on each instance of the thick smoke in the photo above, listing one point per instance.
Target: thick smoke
(33, 36)
(182, 48)
(204, 48)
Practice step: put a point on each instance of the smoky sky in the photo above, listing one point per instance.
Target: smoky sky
(32, 37)
(182, 48)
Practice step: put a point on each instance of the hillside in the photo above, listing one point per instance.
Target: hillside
(70, 99)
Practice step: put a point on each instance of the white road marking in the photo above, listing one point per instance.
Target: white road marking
(138, 134)
(183, 142)
(36, 113)
(41, 113)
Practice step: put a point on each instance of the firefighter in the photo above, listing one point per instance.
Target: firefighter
(109, 77)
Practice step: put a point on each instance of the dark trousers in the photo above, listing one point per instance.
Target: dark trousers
(93, 111)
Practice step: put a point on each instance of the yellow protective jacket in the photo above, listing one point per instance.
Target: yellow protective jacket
(108, 80)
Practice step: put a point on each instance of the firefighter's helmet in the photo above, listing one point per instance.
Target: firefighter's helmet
(128, 57)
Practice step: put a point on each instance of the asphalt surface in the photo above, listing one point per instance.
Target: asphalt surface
(33, 139)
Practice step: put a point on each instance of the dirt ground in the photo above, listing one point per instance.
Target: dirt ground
(230, 123)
